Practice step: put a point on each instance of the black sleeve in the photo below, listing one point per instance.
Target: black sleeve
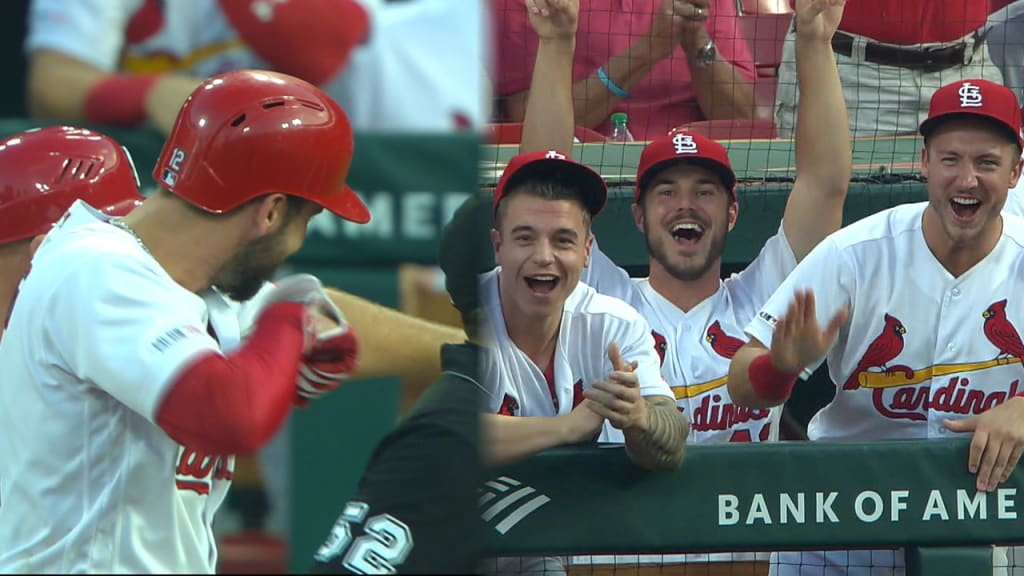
(415, 509)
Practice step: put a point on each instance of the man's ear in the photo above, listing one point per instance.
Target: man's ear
(496, 241)
(638, 216)
(270, 213)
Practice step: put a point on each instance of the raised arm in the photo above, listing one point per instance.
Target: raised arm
(549, 121)
(762, 378)
(823, 155)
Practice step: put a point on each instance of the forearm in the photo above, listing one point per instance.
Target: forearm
(593, 101)
(549, 122)
(661, 443)
(722, 91)
(58, 86)
(507, 439)
(823, 154)
(166, 97)
(393, 343)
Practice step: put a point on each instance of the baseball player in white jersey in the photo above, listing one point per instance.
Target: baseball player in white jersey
(145, 384)
(124, 62)
(915, 309)
(563, 363)
(559, 348)
(685, 205)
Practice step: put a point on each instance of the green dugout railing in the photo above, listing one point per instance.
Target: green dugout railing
(743, 497)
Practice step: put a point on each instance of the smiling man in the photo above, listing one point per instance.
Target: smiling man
(571, 360)
(686, 204)
(915, 309)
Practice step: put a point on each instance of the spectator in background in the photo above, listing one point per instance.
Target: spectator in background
(131, 62)
(1006, 42)
(892, 56)
(665, 63)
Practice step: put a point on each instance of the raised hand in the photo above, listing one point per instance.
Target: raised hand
(554, 18)
(818, 18)
(674, 22)
(798, 340)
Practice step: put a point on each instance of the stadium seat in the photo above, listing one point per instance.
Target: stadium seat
(512, 133)
(765, 34)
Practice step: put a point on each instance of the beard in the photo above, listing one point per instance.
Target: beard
(250, 268)
(659, 250)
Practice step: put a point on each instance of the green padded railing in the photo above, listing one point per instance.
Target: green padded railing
(735, 497)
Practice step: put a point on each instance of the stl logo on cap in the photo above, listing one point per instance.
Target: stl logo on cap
(684, 144)
(970, 96)
(554, 155)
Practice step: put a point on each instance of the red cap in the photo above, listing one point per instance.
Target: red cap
(978, 98)
(681, 146)
(553, 165)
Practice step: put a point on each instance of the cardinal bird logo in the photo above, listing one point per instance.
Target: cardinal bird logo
(882, 350)
(724, 345)
(509, 406)
(660, 346)
(1000, 332)
(145, 22)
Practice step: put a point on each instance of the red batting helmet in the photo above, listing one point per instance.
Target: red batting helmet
(248, 133)
(43, 171)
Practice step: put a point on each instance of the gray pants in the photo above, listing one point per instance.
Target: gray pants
(880, 99)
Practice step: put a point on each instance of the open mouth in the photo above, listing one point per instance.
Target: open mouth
(965, 207)
(687, 233)
(542, 283)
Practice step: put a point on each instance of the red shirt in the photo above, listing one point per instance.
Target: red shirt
(663, 100)
(913, 21)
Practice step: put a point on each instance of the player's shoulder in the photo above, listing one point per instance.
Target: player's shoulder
(97, 256)
(882, 226)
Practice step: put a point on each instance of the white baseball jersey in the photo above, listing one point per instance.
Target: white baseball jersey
(192, 37)
(919, 346)
(590, 323)
(695, 348)
(404, 79)
(90, 482)
(401, 79)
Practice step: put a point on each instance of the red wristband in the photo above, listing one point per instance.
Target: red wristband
(119, 99)
(767, 382)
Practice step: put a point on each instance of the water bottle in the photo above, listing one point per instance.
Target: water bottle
(620, 132)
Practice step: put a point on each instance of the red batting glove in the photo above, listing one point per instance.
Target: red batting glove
(333, 358)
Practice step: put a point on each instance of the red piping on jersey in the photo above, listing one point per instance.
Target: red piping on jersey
(311, 39)
(231, 404)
